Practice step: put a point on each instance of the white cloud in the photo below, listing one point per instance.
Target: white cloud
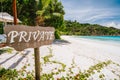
(93, 11)
(91, 15)
(113, 24)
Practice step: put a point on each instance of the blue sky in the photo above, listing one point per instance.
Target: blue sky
(104, 12)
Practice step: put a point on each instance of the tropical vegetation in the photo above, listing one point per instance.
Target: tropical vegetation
(37, 12)
(86, 29)
(1, 28)
(51, 13)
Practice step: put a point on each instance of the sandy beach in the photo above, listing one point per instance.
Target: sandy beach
(82, 52)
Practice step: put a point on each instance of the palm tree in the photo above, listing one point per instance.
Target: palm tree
(50, 13)
(42, 5)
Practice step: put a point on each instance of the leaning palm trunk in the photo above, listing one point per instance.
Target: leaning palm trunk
(40, 21)
(42, 5)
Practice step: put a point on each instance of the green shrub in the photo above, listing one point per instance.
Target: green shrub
(1, 28)
(8, 74)
(57, 34)
(6, 50)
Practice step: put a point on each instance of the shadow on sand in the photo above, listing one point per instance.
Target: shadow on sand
(8, 59)
(18, 61)
(61, 42)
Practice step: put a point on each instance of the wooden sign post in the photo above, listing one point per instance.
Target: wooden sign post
(21, 37)
(37, 63)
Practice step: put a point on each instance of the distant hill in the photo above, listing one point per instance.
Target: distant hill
(76, 28)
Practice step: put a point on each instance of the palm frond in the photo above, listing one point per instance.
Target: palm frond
(40, 12)
(45, 3)
(57, 14)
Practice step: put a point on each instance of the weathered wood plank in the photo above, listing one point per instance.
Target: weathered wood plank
(21, 37)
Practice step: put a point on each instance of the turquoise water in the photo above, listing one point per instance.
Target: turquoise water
(115, 39)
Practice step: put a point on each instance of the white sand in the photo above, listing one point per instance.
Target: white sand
(84, 52)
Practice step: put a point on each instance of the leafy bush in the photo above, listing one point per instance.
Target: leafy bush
(57, 34)
(8, 74)
(1, 28)
(6, 50)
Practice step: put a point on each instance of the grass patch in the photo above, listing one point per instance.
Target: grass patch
(8, 74)
(6, 50)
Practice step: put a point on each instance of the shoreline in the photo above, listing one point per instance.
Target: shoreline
(97, 40)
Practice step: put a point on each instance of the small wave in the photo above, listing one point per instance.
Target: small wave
(108, 39)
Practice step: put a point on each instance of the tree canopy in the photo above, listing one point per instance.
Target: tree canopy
(76, 28)
(37, 12)
(51, 13)
(26, 10)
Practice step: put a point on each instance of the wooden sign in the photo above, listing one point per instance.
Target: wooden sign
(21, 37)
